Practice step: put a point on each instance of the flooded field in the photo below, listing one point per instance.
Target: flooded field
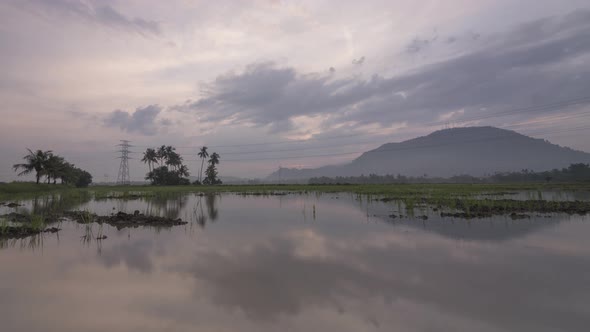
(298, 262)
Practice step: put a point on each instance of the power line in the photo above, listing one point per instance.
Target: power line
(390, 149)
(510, 112)
(534, 108)
(332, 146)
(267, 143)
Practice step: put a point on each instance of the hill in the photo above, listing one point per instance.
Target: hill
(475, 151)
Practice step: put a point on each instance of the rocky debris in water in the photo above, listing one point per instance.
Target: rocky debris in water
(122, 220)
(516, 216)
(23, 218)
(463, 215)
(19, 232)
(16, 217)
(507, 206)
(270, 193)
(104, 237)
(125, 197)
(394, 216)
(12, 205)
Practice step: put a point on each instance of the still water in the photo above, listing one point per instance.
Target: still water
(298, 263)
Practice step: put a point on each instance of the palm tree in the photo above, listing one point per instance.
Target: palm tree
(162, 154)
(35, 161)
(211, 172)
(55, 167)
(174, 160)
(203, 154)
(214, 160)
(183, 171)
(150, 156)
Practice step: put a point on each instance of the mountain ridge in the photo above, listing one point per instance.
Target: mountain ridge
(474, 151)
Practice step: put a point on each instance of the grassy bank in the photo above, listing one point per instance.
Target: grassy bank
(395, 190)
(24, 188)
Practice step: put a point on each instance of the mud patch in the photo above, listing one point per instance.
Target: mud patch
(122, 220)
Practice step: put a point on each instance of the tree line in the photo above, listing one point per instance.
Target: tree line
(574, 173)
(166, 167)
(53, 167)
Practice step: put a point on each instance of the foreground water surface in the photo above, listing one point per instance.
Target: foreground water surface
(332, 262)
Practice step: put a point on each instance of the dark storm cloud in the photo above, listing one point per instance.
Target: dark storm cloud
(96, 12)
(142, 121)
(539, 62)
(266, 94)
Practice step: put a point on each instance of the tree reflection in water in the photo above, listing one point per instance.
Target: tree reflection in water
(212, 212)
(168, 206)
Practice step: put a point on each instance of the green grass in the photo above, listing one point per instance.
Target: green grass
(19, 189)
(23, 189)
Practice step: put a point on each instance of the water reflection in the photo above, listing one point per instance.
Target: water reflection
(167, 206)
(49, 204)
(488, 287)
(211, 209)
(267, 265)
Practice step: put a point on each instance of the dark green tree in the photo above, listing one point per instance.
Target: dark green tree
(211, 171)
(150, 157)
(34, 162)
(171, 172)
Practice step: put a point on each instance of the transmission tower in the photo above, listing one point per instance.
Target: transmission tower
(123, 176)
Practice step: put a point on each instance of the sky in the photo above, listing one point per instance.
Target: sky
(269, 83)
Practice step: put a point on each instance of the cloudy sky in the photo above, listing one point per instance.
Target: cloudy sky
(272, 83)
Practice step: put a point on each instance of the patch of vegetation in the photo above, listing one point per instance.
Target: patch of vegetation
(11, 190)
(171, 170)
(573, 173)
(35, 226)
(122, 220)
(53, 167)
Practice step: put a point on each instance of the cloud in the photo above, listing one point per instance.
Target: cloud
(418, 44)
(136, 255)
(98, 13)
(358, 61)
(142, 121)
(533, 64)
(277, 279)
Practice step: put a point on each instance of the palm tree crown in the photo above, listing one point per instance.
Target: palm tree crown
(150, 156)
(35, 162)
(214, 160)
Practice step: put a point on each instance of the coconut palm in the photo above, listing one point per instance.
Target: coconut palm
(211, 171)
(183, 171)
(162, 154)
(214, 160)
(35, 162)
(55, 167)
(174, 160)
(150, 156)
(203, 154)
